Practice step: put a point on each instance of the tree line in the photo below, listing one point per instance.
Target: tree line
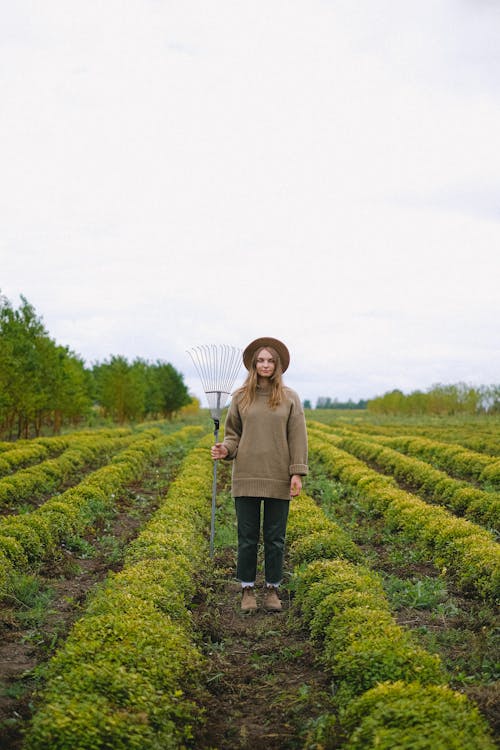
(442, 400)
(44, 386)
(325, 402)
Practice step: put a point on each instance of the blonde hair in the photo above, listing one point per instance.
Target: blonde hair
(249, 387)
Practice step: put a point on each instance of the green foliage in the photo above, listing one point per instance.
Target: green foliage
(128, 672)
(452, 457)
(311, 535)
(457, 546)
(458, 398)
(30, 600)
(421, 593)
(491, 474)
(23, 456)
(387, 687)
(329, 403)
(28, 539)
(45, 385)
(435, 485)
(369, 656)
(41, 383)
(38, 481)
(120, 389)
(345, 607)
(409, 716)
(364, 604)
(138, 390)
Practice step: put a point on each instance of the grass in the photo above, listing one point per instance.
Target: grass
(81, 547)
(31, 600)
(420, 593)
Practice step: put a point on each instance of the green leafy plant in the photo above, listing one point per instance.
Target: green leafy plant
(125, 675)
(421, 593)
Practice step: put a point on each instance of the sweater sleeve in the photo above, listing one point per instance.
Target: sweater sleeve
(297, 438)
(232, 430)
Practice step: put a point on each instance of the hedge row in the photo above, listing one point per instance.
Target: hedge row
(472, 438)
(388, 690)
(435, 485)
(25, 456)
(453, 458)
(311, 535)
(57, 443)
(29, 539)
(38, 481)
(28, 452)
(458, 461)
(129, 673)
(408, 716)
(457, 546)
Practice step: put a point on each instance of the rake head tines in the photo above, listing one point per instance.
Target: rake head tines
(218, 366)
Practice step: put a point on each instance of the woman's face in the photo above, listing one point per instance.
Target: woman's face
(265, 364)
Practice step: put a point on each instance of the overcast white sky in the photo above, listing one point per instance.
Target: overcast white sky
(178, 172)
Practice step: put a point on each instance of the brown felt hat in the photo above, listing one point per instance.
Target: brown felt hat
(261, 343)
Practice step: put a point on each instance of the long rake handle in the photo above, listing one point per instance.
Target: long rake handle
(214, 493)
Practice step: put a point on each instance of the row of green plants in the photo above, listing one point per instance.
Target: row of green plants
(481, 506)
(22, 456)
(311, 535)
(458, 547)
(35, 482)
(455, 459)
(54, 444)
(129, 674)
(433, 484)
(458, 461)
(29, 539)
(472, 439)
(389, 692)
(476, 434)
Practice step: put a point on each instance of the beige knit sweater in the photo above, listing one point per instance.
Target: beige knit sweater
(268, 445)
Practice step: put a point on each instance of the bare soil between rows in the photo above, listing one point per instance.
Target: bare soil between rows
(265, 685)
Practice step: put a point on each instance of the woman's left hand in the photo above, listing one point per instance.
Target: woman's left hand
(295, 485)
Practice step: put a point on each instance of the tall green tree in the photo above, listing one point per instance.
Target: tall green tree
(138, 390)
(21, 332)
(45, 385)
(173, 391)
(41, 383)
(120, 389)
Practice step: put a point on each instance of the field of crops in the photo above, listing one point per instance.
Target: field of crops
(119, 631)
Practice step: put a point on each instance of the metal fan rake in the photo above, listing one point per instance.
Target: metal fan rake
(217, 366)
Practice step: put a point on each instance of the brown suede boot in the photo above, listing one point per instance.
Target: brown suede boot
(272, 601)
(248, 600)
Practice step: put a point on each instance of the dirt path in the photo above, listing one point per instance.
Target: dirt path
(264, 683)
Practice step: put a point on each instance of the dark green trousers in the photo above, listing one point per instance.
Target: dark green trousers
(248, 512)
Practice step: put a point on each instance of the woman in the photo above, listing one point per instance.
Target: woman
(265, 435)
